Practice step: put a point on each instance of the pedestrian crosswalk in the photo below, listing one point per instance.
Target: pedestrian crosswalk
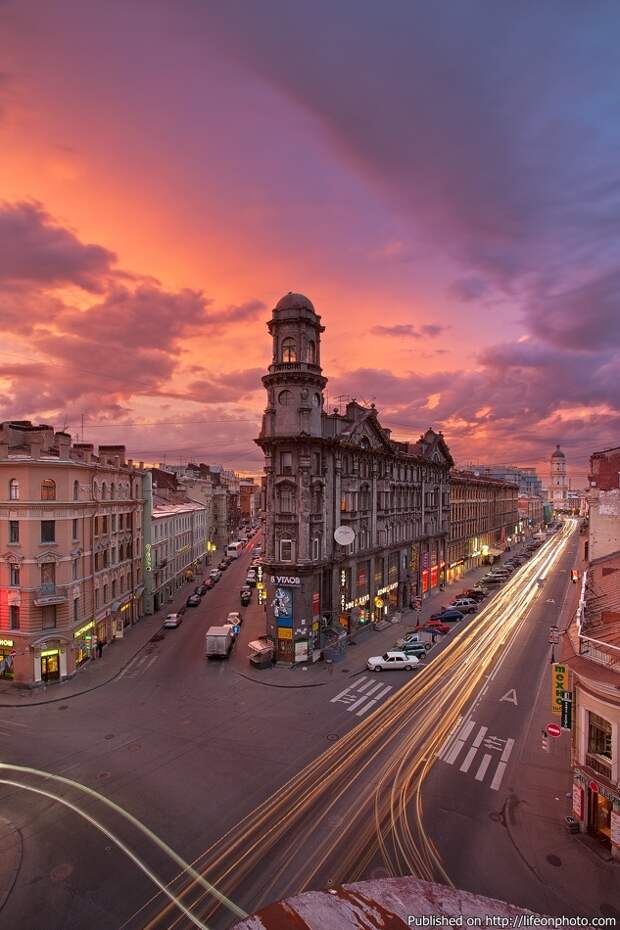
(11, 727)
(482, 751)
(362, 696)
(138, 666)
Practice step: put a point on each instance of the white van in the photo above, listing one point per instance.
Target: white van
(234, 549)
(219, 640)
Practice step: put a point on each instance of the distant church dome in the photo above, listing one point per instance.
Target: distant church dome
(558, 454)
(293, 301)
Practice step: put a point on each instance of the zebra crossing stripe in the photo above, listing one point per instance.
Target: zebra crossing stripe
(460, 742)
(469, 758)
(482, 769)
(502, 765)
(375, 700)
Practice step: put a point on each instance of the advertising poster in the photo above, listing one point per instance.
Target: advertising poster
(283, 607)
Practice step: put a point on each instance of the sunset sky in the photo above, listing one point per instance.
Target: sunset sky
(441, 179)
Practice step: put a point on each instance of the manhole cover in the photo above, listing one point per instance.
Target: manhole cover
(61, 872)
(103, 775)
(554, 860)
(63, 707)
(109, 736)
(332, 737)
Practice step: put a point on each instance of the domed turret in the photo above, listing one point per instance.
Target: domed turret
(293, 301)
(558, 454)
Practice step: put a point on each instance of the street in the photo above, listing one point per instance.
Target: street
(199, 753)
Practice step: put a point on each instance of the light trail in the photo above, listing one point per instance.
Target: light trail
(376, 772)
(117, 809)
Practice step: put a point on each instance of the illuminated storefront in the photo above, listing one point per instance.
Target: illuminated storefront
(7, 655)
(83, 642)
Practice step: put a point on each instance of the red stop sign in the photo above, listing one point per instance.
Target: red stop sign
(553, 729)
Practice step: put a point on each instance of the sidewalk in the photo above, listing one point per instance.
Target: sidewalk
(367, 642)
(98, 672)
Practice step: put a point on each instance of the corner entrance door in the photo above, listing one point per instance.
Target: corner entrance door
(50, 667)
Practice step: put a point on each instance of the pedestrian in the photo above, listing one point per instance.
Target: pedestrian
(99, 649)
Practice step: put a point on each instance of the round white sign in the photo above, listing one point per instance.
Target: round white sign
(344, 535)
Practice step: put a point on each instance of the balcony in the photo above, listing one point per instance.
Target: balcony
(597, 765)
(48, 594)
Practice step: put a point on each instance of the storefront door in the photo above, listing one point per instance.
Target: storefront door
(599, 816)
(50, 667)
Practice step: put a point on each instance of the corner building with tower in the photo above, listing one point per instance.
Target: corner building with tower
(327, 470)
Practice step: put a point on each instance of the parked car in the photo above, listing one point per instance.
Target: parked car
(436, 626)
(392, 660)
(208, 583)
(410, 637)
(235, 617)
(475, 593)
(251, 578)
(223, 565)
(193, 600)
(201, 590)
(174, 620)
(215, 574)
(258, 550)
(448, 615)
(418, 650)
(466, 605)
(494, 579)
(245, 595)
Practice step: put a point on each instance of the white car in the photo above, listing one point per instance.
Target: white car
(215, 573)
(235, 618)
(173, 620)
(392, 660)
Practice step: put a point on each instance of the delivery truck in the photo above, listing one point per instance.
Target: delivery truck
(219, 640)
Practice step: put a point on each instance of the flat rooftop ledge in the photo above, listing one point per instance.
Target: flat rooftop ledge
(386, 904)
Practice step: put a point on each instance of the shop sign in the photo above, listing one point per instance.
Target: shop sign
(358, 602)
(301, 651)
(148, 558)
(615, 828)
(387, 588)
(378, 602)
(125, 607)
(290, 580)
(559, 684)
(578, 801)
(315, 624)
(284, 633)
(425, 561)
(7, 642)
(49, 652)
(316, 603)
(567, 710)
(77, 634)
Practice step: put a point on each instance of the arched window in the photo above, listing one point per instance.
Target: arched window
(285, 398)
(14, 489)
(289, 350)
(310, 352)
(104, 491)
(76, 490)
(48, 490)
(286, 500)
(112, 490)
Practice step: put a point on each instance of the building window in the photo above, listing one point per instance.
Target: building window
(285, 398)
(310, 352)
(104, 520)
(48, 577)
(14, 576)
(289, 350)
(113, 590)
(104, 491)
(14, 617)
(48, 617)
(114, 523)
(112, 491)
(286, 550)
(14, 489)
(74, 569)
(48, 490)
(76, 490)
(316, 548)
(599, 736)
(75, 529)
(105, 594)
(97, 593)
(316, 400)
(13, 531)
(48, 531)
(286, 463)
(286, 500)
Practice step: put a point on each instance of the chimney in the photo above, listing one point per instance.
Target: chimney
(86, 449)
(141, 466)
(63, 443)
(129, 463)
(115, 455)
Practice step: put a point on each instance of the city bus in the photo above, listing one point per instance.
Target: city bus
(234, 549)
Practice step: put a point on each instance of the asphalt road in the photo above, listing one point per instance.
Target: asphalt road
(191, 748)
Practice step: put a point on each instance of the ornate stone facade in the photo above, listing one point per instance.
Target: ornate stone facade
(327, 470)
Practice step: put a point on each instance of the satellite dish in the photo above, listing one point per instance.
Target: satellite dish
(344, 535)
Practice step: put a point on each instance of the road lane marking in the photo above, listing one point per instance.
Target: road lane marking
(448, 740)
(510, 697)
(371, 703)
(365, 697)
(502, 765)
(483, 767)
(469, 758)
(14, 723)
(460, 742)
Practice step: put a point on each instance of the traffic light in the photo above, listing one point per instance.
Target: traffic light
(574, 575)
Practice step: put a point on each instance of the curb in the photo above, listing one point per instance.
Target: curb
(68, 697)
(271, 684)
